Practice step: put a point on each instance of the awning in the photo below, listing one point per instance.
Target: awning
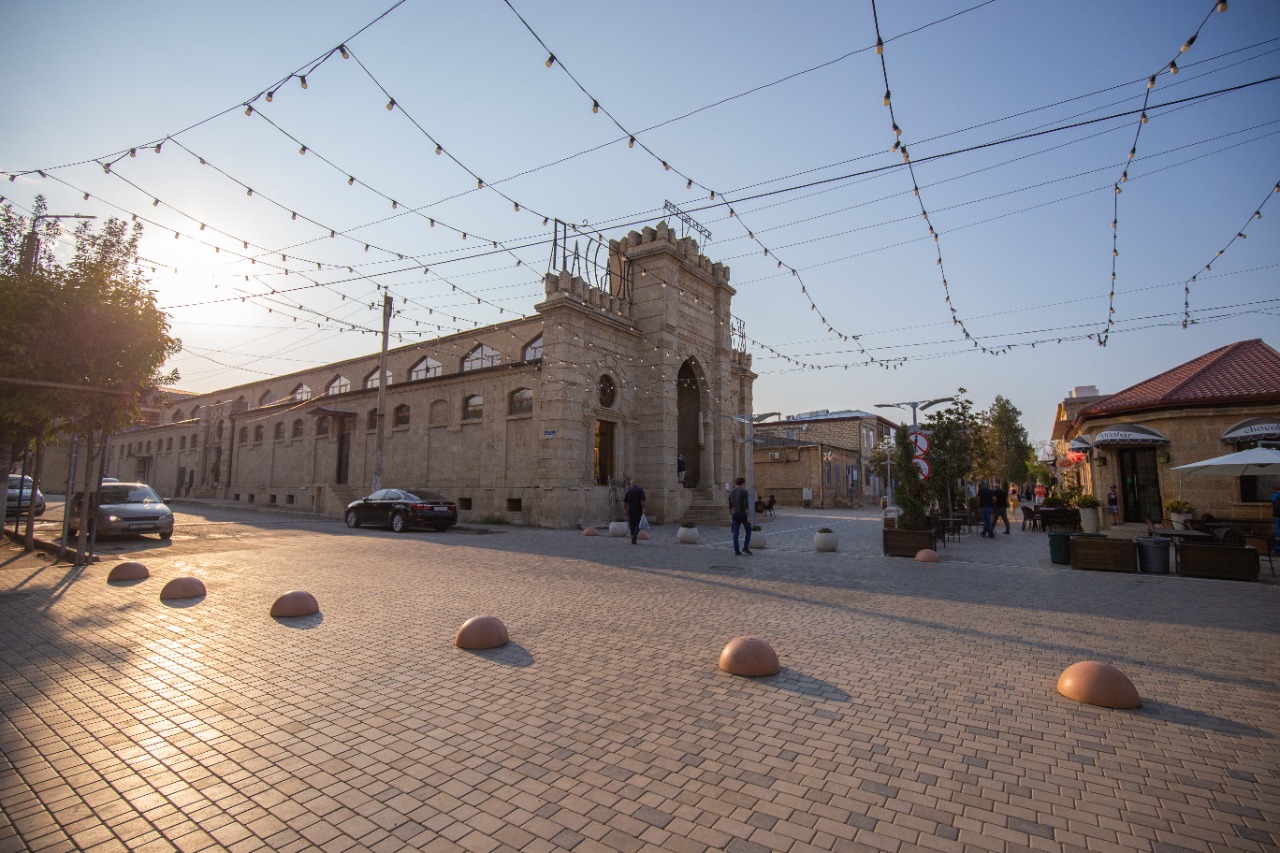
(1128, 434)
(1080, 444)
(1253, 429)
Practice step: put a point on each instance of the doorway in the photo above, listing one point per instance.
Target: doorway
(689, 424)
(1139, 484)
(343, 426)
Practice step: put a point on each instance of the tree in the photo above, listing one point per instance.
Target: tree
(81, 342)
(954, 450)
(1006, 448)
(909, 494)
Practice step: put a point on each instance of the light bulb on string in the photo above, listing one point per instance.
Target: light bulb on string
(302, 150)
(270, 96)
(303, 80)
(886, 97)
(551, 60)
(1222, 7)
(391, 104)
(1187, 44)
(248, 110)
(631, 143)
(595, 106)
(342, 49)
(133, 152)
(1173, 66)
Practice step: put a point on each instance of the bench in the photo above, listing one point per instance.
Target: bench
(1104, 554)
(1222, 562)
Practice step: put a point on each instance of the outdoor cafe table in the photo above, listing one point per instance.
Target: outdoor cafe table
(1183, 536)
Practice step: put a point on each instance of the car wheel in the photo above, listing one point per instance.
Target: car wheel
(441, 528)
(352, 519)
(398, 523)
(166, 535)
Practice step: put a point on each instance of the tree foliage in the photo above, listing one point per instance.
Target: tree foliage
(81, 342)
(955, 446)
(1006, 448)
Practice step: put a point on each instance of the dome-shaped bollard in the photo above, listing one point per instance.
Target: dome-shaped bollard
(129, 571)
(1097, 683)
(590, 531)
(481, 632)
(295, 603)
(927, 555)
(182, 588)
(750, 656)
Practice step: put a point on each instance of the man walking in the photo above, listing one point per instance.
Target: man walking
(986, 503)
(634, 499)
(1001, 498)
(739, 500)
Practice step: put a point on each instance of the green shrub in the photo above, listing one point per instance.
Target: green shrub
(1088, 502)
(687, 524)
(493, 519)
(755, 528)
(1179, 505)
(825, 530)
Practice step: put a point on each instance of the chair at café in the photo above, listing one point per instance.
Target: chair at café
(1029, 517)
(770, 505)
(1262, 544)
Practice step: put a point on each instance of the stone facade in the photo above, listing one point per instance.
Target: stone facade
(528, 420)
(851, 435)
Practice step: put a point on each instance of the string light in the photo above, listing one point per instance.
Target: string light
(342, 49)
(303, 80)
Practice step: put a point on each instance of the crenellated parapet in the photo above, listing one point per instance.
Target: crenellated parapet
(564, 286)
(685, 247)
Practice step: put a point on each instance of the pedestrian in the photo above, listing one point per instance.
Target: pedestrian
(739, 499)
(634, 499)
(1002, 507)
(1275, 516)
(1013, 497)
(986, 503)
(1113, 504)
(680, 469)
(1039, 493)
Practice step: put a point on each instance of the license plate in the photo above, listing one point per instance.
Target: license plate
(141, 526)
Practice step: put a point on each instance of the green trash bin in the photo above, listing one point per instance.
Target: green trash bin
(1060, 547)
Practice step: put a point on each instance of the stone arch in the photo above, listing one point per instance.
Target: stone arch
(690, 405)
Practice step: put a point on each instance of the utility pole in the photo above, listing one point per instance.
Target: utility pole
(31, 241)
(382, 393)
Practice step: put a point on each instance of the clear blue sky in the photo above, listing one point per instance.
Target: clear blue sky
(777, 107)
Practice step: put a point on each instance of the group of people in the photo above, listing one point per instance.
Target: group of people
(994, 504)
(739, 510)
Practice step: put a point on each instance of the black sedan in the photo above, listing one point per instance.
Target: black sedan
(403, 509)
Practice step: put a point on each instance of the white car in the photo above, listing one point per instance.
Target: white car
(128, 508)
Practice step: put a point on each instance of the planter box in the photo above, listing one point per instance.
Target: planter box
(619, 528)
(1104, 554)
(826, 542)
(687, 535)
(906, 543)
(1224, 562)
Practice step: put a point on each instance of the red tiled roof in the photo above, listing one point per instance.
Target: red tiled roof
(1243, 372)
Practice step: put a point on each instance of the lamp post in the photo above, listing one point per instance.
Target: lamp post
(31, 241)
(751, 420)
(922, 405)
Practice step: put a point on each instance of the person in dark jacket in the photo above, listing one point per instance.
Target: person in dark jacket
(986, 503)
(634, 500)
(739, 500)
(1002, 507)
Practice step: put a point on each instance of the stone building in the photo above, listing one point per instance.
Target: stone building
(827, 453)
(536, 420)
(1223, 401)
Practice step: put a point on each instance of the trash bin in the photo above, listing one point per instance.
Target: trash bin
(1060, 547)
(1153, 555)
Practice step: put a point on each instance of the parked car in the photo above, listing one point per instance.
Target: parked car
(127, 508)
(30, 494)
(403, 509)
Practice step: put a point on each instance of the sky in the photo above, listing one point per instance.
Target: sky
(1020, 121)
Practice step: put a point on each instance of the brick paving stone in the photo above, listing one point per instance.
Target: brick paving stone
(915, 710)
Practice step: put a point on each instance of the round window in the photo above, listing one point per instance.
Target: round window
(608, 391)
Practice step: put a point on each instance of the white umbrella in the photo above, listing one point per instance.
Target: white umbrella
(1245, 463)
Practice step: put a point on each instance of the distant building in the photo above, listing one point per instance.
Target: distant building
(824, 454)
(1223, 401)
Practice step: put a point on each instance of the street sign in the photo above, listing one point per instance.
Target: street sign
(920, 441)
(923, 466)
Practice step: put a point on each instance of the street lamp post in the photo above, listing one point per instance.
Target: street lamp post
(922, 405)
(751, 420)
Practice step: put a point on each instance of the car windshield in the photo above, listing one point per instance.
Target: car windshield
(425, 495)
(18, 480)
(128, 495)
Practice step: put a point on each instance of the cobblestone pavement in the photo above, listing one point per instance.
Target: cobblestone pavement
(916, 707)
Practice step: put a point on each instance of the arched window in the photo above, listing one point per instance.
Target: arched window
(401, 417)
(371, 420)
(533, 349)
(148, 447)
(266, 397)
(339, 385)
(424, 368)
(195, 411)
(258, 433)
(168, 445)
(300, 393)
(244, 435)
(481, 356)
(182, 443)
(322, 426)
(193, 441)
(298, 428)
(607, 391)
(177, 416)
(520, 402)
(473, 407)
(280, 431)
(217, 432)
(371, 381)
(438, 414)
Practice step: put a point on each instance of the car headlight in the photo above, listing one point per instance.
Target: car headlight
(113, 518)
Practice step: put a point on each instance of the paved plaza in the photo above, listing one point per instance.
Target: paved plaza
(915, 710)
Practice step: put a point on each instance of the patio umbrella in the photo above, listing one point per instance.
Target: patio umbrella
(1245, 463)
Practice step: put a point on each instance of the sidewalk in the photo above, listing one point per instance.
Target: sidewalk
(916, 707)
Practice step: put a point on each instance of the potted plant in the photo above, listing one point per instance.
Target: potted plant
(1180, 512)
(825, 540)
(758, 539)
(913, 532)
(619, 527)
(1088, 506)
(687, 534)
